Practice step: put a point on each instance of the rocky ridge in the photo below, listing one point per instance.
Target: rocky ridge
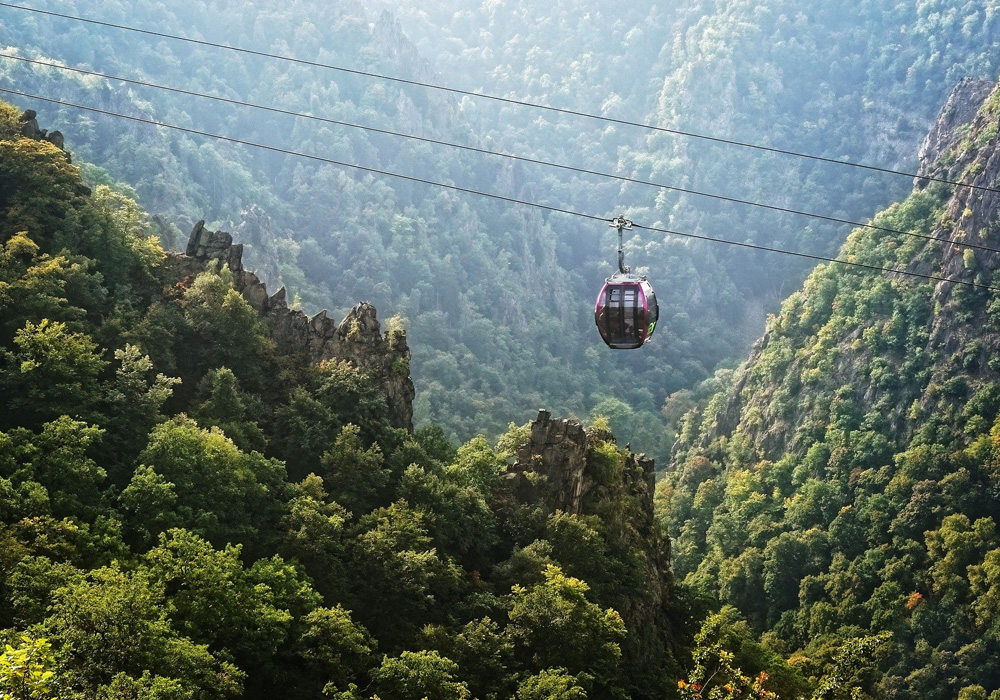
(357, 338)
(962, 333)
(959, 111)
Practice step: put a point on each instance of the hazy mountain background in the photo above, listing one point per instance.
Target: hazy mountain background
(498, 298)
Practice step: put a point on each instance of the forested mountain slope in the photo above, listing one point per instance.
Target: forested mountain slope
(845, 481)
(206, 495)
(497, 296)
(463, 272)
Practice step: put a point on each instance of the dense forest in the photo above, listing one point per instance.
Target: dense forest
(844, 480)
(190, 508)
(207, 493)
(480, 283)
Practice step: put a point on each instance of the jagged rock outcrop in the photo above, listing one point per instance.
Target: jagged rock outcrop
(558, 451)
(564, 467)
(30, 129)
(959, 110)
(204, 245)
(357, 338)
(970, 154)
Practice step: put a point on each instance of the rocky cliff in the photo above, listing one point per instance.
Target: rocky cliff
(357, 338)
(910, 342)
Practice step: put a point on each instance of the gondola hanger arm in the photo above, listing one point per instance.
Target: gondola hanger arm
(620, 223)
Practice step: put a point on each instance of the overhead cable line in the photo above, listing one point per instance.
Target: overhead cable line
(511, 200)
(524, 159)
(508, 100)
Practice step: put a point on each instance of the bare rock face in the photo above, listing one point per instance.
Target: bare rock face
(973, 213)
(205, 245)
(356, 339)
(959, 110)
(30, 129)
(559, 468)
(557, 450)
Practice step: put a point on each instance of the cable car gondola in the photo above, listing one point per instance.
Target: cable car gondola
(626, 310)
